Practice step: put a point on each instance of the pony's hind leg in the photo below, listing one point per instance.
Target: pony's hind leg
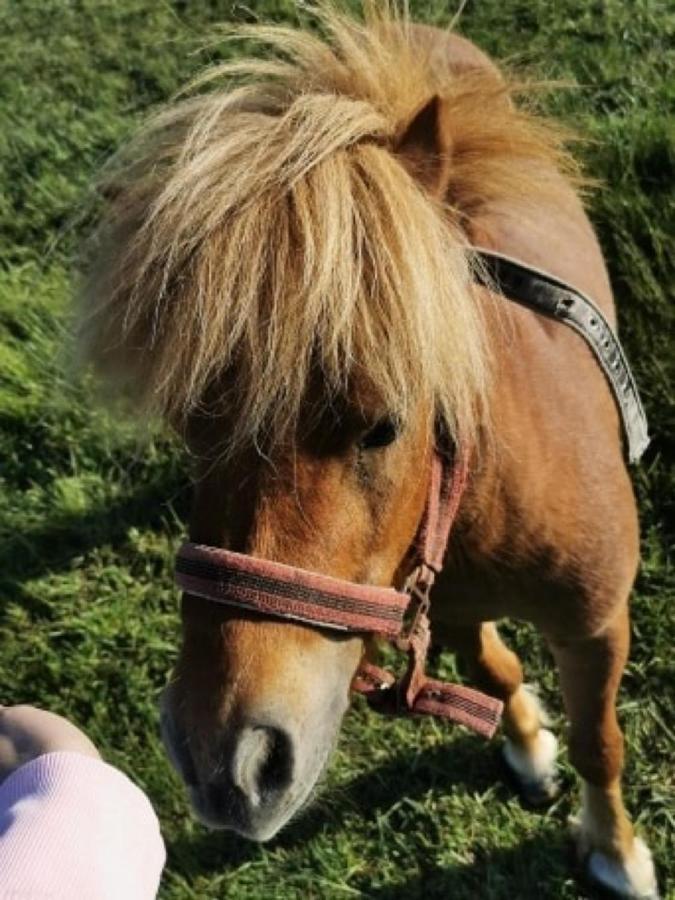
(590, 672)
(530, 749)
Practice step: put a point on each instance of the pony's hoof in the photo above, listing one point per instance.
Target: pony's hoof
(632, 878)
(534, 768)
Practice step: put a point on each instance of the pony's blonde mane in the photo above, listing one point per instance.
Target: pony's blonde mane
(261, 233)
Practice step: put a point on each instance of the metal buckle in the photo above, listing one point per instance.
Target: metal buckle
(418, 587)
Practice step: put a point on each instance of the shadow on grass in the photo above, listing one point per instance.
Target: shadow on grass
(32, 553)
(536, 867)
(540, 867)
(465, 764)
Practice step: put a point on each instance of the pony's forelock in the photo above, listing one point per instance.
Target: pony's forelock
(265, 233)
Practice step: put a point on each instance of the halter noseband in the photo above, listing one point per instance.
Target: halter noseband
(287, 592)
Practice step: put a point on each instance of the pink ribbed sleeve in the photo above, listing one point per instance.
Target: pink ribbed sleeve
(74, 828)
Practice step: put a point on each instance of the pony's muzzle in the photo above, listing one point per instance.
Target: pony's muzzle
(247, 724)
(249, 788)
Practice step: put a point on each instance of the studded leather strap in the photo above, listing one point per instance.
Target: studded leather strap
(545, 294)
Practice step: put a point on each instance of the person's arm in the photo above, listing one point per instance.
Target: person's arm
(71, 826)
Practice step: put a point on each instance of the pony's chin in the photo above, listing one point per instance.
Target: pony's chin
(235, 817)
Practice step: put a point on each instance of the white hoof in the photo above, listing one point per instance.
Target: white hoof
(632, 878)
(534, 767)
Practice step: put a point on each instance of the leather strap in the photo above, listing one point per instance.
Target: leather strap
(440, 699)
(545, 294)
(414, 693)
(447, 484)
(275, 589)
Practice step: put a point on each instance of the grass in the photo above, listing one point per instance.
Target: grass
(89, 516)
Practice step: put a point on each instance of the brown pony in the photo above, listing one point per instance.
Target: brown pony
(284, 272)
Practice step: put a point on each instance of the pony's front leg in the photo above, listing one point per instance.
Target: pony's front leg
(530, 749)
(590, 672)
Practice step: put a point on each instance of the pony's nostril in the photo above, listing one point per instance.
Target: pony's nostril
(275, 772)
(263, 762)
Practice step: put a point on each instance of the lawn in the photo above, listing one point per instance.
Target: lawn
(90, 513)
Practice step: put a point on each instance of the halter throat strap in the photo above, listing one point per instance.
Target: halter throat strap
(402, 616)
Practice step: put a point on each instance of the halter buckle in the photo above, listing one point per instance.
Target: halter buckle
(418, 588)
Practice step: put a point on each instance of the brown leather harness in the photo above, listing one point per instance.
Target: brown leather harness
(280, 591)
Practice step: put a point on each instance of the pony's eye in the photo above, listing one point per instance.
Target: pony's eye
(381, 434)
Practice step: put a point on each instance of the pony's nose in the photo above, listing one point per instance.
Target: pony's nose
(262, 763)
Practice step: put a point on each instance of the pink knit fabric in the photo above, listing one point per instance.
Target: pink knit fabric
(75, 828)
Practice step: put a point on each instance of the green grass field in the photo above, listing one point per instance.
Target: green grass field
(90, 514)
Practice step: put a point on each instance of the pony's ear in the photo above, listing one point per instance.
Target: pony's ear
(425, 146)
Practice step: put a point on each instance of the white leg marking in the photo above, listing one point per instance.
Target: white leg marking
(633, 877)
(535, 761)
(630, 874)
(534, 767)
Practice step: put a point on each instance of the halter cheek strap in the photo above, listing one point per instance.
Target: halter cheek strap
(414, 692)
(287, 592)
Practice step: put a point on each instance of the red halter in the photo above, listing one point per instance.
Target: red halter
(287, 592)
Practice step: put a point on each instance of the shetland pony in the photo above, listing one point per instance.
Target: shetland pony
(283, 272)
